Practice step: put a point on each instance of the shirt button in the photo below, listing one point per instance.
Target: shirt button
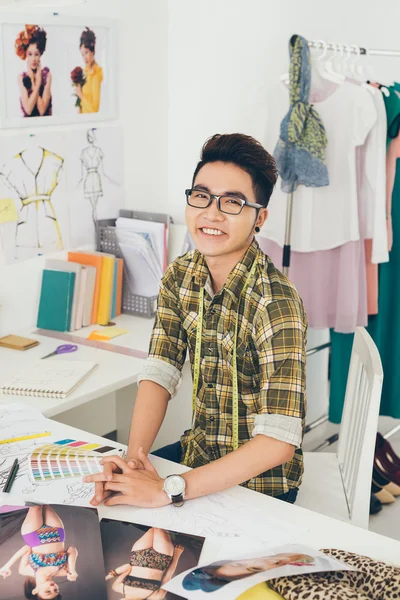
(211, 419)
(212, 311)
(210, 350)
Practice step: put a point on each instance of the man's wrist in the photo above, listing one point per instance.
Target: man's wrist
(164, 498)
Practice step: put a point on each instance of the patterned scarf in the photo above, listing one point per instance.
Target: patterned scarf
(300, 151)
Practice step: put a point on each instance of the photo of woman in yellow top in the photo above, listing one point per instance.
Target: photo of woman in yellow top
(89, 91)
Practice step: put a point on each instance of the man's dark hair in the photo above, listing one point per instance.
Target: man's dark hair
(248, 154)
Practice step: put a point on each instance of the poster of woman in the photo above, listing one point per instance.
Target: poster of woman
(34, 82)
(140, 560)
(58, 71)
(51, 552)
(87, 81)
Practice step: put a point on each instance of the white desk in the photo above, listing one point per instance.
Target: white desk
(322, 532)
(116, 373)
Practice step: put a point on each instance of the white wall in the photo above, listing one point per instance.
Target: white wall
(225, 60)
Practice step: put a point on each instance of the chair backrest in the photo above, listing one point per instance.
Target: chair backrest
(359, 425)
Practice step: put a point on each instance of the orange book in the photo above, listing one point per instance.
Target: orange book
(93, 260)
(119, 285)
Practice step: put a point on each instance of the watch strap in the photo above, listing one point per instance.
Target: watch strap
(177, 500)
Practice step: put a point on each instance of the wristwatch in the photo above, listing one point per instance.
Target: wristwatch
(174, 487)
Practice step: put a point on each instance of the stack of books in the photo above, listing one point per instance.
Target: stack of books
(84, 290)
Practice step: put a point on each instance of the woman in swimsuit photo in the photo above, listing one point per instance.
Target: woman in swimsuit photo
(152, 563)
(44, 555)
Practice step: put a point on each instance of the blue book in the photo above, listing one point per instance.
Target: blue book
(114, 292)
(56, 297)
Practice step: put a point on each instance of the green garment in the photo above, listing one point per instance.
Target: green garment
(384, 327)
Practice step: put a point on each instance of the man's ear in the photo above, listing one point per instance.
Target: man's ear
(262, 217)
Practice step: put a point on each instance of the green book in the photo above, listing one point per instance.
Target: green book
(55, 307)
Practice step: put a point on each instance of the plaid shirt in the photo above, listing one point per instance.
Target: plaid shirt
(271, 359)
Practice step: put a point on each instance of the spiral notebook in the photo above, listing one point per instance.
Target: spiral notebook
(49, 379)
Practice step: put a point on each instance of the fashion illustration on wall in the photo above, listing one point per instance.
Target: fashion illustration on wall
(34, 83)
(87, 82)
(92, 171)
(34, 174)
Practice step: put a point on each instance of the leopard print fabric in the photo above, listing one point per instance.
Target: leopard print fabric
(372, 580)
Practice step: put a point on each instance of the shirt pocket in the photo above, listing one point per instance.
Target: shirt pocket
(247, 371)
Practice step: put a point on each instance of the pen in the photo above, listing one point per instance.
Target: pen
(25, 437)
(12, 475)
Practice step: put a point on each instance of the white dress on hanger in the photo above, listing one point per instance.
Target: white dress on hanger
(327, 217)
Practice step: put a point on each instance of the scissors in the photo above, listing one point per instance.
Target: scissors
(63, 349)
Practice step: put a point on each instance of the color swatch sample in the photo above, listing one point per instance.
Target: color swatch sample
(67, 458)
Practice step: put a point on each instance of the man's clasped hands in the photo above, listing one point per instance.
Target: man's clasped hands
(130, 481)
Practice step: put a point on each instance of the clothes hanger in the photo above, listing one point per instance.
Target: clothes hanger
(329, 72)
(320, 65)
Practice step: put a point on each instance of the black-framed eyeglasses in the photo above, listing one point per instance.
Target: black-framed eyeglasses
(228, 204)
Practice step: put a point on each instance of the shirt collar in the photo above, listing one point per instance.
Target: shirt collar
(237, 277)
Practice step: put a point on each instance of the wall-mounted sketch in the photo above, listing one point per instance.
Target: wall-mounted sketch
(93, 173)
(31, 170)
(95, 180)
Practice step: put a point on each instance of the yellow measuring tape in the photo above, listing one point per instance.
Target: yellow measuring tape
(196, 369)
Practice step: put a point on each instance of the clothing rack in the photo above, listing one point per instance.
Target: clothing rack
(348, 49)
(342, 48)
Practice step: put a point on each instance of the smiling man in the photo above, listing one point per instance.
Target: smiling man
(245, 327)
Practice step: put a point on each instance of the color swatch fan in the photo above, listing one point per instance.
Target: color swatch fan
(64, 459)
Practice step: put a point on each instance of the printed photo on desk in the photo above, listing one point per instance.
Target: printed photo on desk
(226, 579)
(139, 559)
(51, 552)
(57, 71)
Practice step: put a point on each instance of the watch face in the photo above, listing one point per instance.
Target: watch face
(174, 485)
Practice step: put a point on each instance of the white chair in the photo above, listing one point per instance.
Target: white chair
(339, 485)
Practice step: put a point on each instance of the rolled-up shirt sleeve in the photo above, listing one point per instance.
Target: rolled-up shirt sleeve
(280, 340)
(168, 343)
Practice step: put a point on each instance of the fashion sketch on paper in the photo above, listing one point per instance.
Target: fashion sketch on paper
(92, 171)
(34, 83)
(44, 556)
(87, 82)
(152, 563)
(34, 174)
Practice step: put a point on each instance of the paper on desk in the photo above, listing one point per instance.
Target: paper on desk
(232, 575)
(20, 422)
(222, 515)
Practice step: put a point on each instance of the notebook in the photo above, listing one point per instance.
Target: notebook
(56, 299)
(55, 264)
(49, 379)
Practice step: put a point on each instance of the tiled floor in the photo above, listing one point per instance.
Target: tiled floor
(387, 522)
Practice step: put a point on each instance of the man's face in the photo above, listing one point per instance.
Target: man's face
(216, 233)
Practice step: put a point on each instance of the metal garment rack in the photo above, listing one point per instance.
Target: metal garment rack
(326, 46)
(360, 51)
